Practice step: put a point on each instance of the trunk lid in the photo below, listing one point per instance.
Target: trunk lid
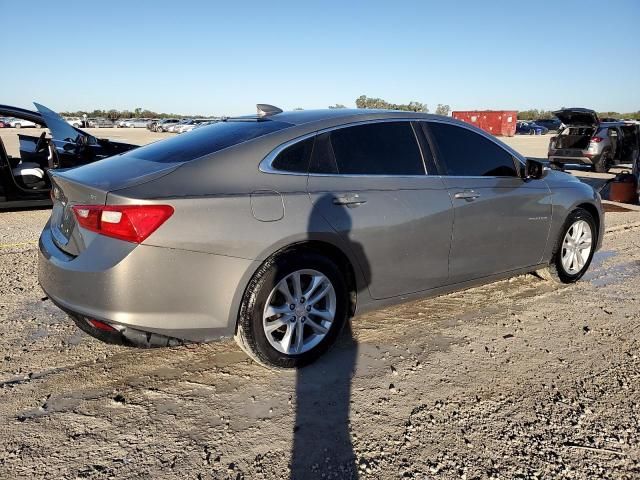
(578, 116)
(65, 194)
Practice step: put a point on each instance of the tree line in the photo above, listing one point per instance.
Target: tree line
(113, 114)
(378, 103)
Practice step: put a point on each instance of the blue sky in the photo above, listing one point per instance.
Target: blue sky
(212, 57)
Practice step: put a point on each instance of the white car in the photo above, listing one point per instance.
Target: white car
(74, 121)
(187, 127)
(176, 126)
(21, 123)
(137, 123)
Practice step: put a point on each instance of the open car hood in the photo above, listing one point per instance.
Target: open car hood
(578, 116)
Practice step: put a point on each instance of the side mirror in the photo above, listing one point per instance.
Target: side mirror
(534, 170)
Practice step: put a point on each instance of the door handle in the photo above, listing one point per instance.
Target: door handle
(350, 201)
(468, 195)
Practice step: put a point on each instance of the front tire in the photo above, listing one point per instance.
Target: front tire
(575, 248)
(293, 310)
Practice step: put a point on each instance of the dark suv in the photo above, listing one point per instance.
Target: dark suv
(586, 140)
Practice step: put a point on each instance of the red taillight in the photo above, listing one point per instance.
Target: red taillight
(105, 327)
(132, 223)
(596, 139)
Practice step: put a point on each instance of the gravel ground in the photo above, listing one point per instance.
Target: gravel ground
(518, 379)
(522, 378)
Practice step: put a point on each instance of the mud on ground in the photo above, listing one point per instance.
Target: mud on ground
(518, 379)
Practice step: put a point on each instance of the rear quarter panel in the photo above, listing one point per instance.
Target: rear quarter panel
(229, 225)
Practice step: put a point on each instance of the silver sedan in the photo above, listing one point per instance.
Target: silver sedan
(276, 229)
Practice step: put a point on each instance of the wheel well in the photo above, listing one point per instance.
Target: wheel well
(334, 253)
(594, 213)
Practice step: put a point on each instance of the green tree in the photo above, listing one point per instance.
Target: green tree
(443, 109)
(368, 102)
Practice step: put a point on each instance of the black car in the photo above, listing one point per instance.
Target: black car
(23, 180)
(549, 123)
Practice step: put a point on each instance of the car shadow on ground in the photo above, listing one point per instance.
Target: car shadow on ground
(322, 431)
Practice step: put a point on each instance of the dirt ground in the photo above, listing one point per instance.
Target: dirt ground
(522, 378)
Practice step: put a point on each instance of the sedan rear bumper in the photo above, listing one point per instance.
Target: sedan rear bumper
(174, 293)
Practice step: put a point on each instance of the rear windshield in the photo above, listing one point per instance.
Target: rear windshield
(205, 140)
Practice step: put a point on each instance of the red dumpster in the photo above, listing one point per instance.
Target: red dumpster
(496, 122)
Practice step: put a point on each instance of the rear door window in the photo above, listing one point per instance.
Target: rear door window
(384, 148)
(462, 152)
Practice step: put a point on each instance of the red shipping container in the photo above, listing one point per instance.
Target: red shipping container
(496, 122)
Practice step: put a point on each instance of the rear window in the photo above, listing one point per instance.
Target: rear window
(205, 140)
(295, 158)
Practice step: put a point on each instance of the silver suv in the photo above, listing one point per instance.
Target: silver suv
(585, 140)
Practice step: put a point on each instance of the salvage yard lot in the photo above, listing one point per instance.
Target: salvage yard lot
(519, 378)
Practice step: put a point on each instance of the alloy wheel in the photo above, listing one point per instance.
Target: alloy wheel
(576, 247)
(299, 312)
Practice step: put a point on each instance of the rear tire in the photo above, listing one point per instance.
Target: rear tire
(603, 163)
(562, 269)
(266, 317)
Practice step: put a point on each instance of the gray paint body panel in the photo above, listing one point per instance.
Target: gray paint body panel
(400, 236)
(504, 228)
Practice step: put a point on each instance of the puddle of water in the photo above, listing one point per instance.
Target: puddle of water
(596, 263)
(601, 276)
(616, 274)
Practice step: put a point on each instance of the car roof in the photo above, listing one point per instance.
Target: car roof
(337, 116)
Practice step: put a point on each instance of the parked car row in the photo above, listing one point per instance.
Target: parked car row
(174, 125)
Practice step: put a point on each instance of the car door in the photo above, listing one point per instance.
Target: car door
(369, 182)
(501, 221)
